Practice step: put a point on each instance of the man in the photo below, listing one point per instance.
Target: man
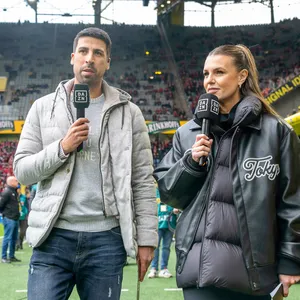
(9, 207)
(94, 207)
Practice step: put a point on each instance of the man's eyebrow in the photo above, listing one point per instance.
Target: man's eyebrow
(86, 48)
(98, 49)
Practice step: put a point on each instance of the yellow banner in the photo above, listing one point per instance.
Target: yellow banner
(11, 127)
(284, 89)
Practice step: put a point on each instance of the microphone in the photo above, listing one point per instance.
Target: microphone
(81, 101)
(206, 113)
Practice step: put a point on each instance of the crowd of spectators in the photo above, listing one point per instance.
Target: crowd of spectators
(275, 47)
(7, 151)
(160, 146)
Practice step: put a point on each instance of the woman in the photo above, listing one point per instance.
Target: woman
(239, 232)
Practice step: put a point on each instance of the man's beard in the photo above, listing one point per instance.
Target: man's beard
(90, 80)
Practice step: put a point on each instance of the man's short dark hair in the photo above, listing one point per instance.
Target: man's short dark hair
(95, 33)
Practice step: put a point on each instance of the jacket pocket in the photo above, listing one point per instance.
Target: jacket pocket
(188, 267)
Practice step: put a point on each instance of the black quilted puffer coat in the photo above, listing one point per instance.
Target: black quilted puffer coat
(241, 215)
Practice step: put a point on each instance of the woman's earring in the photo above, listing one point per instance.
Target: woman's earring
(240, 85)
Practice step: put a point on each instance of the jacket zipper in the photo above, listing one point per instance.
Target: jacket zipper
(254, 284)
(100, 137)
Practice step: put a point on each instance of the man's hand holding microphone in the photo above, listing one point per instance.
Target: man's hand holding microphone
(79, 130)
(76, 135)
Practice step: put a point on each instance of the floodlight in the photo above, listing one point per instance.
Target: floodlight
(32, 3)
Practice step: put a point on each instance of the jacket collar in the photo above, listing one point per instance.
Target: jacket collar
(248, 114)
(11, 188)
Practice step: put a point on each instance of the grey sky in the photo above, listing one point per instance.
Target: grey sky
(133, 12)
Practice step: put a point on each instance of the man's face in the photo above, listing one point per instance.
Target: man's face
(90, 61)
(14, 182)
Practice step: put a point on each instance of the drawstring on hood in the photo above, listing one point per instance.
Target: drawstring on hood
(123, 116)
(65, 87)
(53, 105)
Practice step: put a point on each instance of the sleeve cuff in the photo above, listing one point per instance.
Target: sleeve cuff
(61, 153)
(194, 165)
(287, 266)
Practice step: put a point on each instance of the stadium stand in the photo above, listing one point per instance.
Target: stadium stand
(36, 57)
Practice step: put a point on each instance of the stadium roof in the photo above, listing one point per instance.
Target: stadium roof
(212, 4)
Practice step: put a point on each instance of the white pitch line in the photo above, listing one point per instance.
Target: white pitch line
(123, 290)
(25, 291)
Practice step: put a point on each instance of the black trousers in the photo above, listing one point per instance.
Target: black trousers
(212, 293)
(22, 226)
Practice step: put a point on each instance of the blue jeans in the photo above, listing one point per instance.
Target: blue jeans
(10, 237)
(93, 261)
(165, 235)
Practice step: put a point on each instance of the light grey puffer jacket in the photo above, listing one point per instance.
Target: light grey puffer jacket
(127, 187)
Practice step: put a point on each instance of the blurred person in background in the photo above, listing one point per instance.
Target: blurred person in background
(9, 208)
(239, 233)
(94, 207)
(23, 200)
(167, 217)
(32, 195)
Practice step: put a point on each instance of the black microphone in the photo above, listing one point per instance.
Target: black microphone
(81, 101)
(206, 113)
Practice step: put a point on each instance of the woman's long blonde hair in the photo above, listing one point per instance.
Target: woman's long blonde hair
(243, 59)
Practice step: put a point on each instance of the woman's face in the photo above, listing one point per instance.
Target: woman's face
(222, 79)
